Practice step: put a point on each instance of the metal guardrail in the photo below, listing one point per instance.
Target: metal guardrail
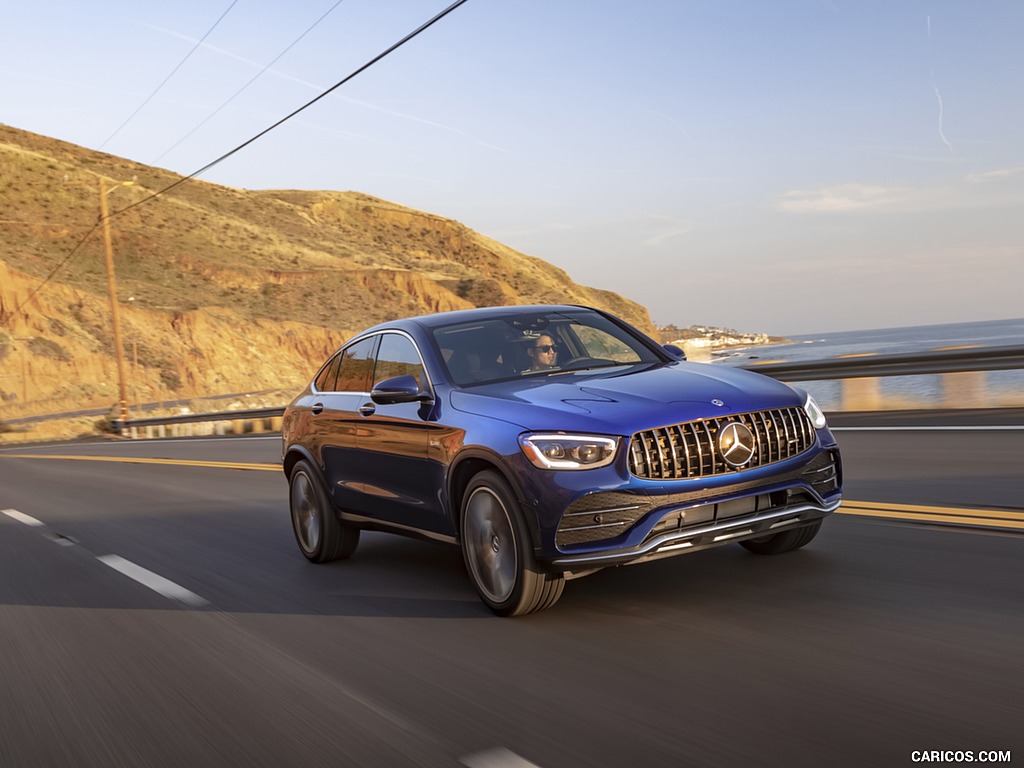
(959, 360)
(219, 423)
(197, 418)
(862, 371)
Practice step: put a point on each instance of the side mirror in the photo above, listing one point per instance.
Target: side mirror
(400, 389)
(675, 351)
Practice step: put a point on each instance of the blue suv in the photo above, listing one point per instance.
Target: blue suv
(549, 442)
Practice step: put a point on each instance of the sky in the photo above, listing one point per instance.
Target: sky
(788, 168)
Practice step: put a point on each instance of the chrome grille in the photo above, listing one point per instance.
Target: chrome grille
(690, 449)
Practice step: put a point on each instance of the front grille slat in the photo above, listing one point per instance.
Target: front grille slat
(710, 447)
(665, 471)
(784, 448)
(686, 448)
(690, 449)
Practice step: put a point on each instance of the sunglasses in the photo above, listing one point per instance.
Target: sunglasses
(546, 348)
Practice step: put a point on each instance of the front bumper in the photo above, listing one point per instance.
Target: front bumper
(623, 520)
(701, 537)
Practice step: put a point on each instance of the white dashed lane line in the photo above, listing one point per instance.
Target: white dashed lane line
(499, 757)
(137, 573)
(154, 581)
(21, 517)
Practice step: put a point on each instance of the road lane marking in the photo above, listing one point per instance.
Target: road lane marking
(992, 518)
(21, 517)
(131, 460)
(499, 757)
(157, 583)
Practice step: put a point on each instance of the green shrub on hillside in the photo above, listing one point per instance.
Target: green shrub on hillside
(48, 348)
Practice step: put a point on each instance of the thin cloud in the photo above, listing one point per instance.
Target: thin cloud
(666, 228)
(846, 198)
(935, 88)
(977, 190)
(994, 175)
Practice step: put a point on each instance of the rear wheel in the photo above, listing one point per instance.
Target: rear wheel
(786, 541)
(321, 536)
(498, 552)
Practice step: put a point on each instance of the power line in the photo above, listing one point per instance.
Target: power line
(173, 72)
(253, 80)
(419, 30)
(60, 266)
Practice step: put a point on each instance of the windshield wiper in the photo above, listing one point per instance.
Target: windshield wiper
(589, 368)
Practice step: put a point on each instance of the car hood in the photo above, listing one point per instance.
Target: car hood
(625, 399)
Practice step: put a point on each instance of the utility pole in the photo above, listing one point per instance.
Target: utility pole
(114, 316)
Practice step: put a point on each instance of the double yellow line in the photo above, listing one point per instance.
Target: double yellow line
(986, 518)
(130, 460)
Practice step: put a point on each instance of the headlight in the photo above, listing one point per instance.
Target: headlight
(569, 451)
(814, 413)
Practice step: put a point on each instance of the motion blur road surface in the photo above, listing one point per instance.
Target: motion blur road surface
(159, 614)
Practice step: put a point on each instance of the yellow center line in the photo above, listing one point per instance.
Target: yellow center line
(128, 460)
(997, 518)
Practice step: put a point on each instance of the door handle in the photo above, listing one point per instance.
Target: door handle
(317, 408)
(367, 410)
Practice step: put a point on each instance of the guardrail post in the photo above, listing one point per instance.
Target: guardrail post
(862, 394)
(965, 389)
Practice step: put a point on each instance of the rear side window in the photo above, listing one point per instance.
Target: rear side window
(324, 381)
(398, 357)
(356, 364)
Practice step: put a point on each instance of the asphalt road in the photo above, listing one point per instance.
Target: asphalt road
(881, 639)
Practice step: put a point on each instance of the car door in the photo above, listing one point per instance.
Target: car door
(336, 419)
(401, 484)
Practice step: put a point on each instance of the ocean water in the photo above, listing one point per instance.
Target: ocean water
(1001, 388)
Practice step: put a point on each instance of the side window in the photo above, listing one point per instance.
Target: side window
(324, 381)
(356, 364)
(397, 356)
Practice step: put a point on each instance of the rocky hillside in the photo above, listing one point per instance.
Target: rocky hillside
(222, 290)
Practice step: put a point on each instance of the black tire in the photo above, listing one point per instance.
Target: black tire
(786, 541)
(321, 536)
(498, 551)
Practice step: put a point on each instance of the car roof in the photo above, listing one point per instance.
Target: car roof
(477, 314)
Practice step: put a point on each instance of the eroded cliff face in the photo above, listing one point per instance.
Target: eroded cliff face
(221, 290)
(56, 353)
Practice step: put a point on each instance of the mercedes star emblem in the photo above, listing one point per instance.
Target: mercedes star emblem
(736, 444)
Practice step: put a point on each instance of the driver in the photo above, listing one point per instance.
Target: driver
(543, 353)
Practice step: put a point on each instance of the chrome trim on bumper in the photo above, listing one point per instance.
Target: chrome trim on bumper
(685, 540)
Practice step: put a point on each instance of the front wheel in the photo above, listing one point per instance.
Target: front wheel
(498, 552)
(786, 541)
(319, 533)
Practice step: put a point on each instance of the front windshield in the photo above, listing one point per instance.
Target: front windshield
(536, 344)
